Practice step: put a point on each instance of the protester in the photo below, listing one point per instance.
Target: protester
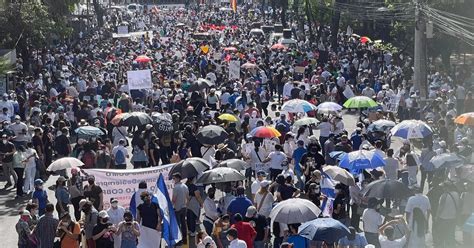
(69, 231)
(235, 242)
(116, 215)
(45, 230)
(149, 217)
(103, 231)
(128, 231)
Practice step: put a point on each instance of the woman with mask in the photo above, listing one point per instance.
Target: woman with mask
(69, 231)
(19, 168)
(30, 169)
(129, 231)
(62, 196)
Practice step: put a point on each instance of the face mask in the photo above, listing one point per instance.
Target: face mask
(211, 196)
(17, 121)
(4, 141)
(105, 220)
(337, 191)
(114, 205)
(314, 150)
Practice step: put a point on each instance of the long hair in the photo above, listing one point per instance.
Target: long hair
(421, 223)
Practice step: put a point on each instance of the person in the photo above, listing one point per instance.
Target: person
(221, 226)
(94, 193)
(264, 199)
(412, 168)
(120, 155)
(235, 242)
(179, 200)
(19, 168)
(387, 235)
(33, 209)
(76, 191)
(40, 197)
(354, 239)
(391, 166)
(285, 189)
(339, 204)
(30, 169)
(276, 159)
(7, 149)
(128, 231)
(23, 229)
(210, 211)
(103, 231)
(372, 220)
(444, 225)
(295, 239)
(417, 210)
(45, 231)
(20, 129)
(116, 214)
(62, 196)
(89, 221)
(194, 205)
(149, 217)
(69, 231)
(240, 204)
(204, 241)
(255, 186)
(261, 226)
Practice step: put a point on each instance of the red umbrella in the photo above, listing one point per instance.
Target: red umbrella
(278, 46)
(230, 49)
(143, 59)
(365, 39)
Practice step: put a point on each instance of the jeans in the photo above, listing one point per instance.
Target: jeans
(373, 239)
(274, 173)
(425, 176)
(121, 166)
(30, 174)
(191, 219)
(19, 182)
(277, 241)
(208, 226)
(355, 217)
(8, 172)
(181, 219)
(75, 203)
(258, 244)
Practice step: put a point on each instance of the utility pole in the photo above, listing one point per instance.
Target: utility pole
(420, 52)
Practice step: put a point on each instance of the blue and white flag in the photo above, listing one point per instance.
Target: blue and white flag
(171, 232)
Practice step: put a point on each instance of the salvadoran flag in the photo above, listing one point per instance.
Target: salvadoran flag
(171, 232)
(328, 186)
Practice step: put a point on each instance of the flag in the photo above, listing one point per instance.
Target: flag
(233, 4)
(171, 232)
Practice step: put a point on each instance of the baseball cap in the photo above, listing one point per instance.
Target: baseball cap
(112, 200)
(264, 183)
(38, 182)
(251, 211)
(103, 214)
(261, 173)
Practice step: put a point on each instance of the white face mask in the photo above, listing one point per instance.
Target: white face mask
(4, 141)
(114, 205)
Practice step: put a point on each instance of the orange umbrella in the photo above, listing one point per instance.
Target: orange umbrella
(365, 39)
(278, 46)
(465, 119)
(143, 59)
(117, 119)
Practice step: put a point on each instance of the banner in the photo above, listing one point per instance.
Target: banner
(234, 69)
(121, 184)
(122, 30)
(139, 80)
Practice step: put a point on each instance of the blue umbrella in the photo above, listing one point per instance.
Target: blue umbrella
(337, 154)
(324, 229)
(411, 129)
(361, 159)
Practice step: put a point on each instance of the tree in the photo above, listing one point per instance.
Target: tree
(5, 66)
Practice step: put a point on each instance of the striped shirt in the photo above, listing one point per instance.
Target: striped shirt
(46, 230)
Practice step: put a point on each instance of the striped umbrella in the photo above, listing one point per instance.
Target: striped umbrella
(265, 132)
(411, 129)
(298, 106)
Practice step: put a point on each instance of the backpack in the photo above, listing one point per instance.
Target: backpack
(88, 160)
(120, 157)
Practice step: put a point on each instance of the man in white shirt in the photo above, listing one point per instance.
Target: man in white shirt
(372, 220)
(234, 241)
(21, 130)
(115, 213)
(445, 225)
(261, 175)
(5, 103)
(210, 211)
(387, 231)
(368, 92)
(417, 201)
(119, 155)
(391, 166)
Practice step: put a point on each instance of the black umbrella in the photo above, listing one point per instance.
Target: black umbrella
(162, 125)
(212, 135)
(220, 175)
(386, 189)
(190, 167)
(234, 163)
(136, 119)
(200, 84)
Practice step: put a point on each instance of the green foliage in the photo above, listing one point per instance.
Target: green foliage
(5, 66)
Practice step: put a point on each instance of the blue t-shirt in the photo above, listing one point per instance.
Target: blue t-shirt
(298, 241)
(297, 155)
(239, 205)
(42, 197)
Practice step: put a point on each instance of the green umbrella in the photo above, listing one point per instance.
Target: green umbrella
(360, 102)
(306, 121)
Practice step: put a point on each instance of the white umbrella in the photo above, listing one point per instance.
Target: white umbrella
(65, 163)
(249, 65)
(294, 210)
(298, 106)
(306, 121)
(340, 175)
(411, 129)
(447, 160)
(327, 107)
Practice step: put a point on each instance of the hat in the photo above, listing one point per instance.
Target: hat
(261, 173)
(148, 126)
(221, 146)
(17, 117)
(251, 211)
(61, 179)
(112, 200)
(82, 203)
(103, 214)
(38, 182)
(300, 142)
(264, 183)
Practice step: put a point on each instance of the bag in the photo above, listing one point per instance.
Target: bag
(119, 157)
(261, 201)
(32, 241)
(88, 160)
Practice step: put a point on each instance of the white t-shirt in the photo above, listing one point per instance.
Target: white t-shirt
(237, 243)
(325, 129)
(372, 220)
(417, 201)
(391, 168)
(267, 204)
(276, 159)
(398, 243)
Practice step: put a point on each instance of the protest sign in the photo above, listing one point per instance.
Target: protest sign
(121, 184)
(392, 105)
(234, 69)
(122, 30)
(348, 93)
(139, 80)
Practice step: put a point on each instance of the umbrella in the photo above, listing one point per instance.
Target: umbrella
(111, 112)
(323, 229)
(447, 160)
(361, 159)
(278, 46)
(306, 121)
(200, 84)
(337, 155)
(190, 167)
(249, 65)
(180, 24)
(220, 175)
(65, 163)
(294, 210)
(386, 189)
(340, 175)
(465, 119)
(143, 59)
(265, 132)
(360, 102)
(212, 135)
(411, 129)
(234, 163)
(298, 106)
(134, 119)
(365, 39)
(327, 107)
(162, 125)
(89, 131)
(381, 126)
(228, 117)
(117, 119)
(230, 49)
